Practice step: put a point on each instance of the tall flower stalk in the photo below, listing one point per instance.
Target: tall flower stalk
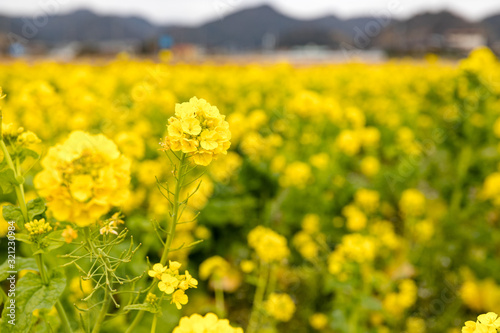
(17, 181)
(197, 133)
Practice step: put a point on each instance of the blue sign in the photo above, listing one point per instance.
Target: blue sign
(165, 42)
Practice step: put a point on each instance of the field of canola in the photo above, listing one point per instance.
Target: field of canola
(353, 198)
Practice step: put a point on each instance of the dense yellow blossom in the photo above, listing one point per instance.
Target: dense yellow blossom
(69, 234)
(412, 203)
(172, 283)
(415, 325)
(18, 137)
(397, 302)
(198, 129)
(83, 178)
(36, 228)
(353, 248)
(486, 323)
(480, 295)
(247, 266)
(356, 219)
(349, 142)
(318, 321)
(311, 223)
(491, 188)
(214, 266)
(225, 167)
(296, 174)
(269, 245)
(368, 200)
(370, 166)
(280, 306)
(209, 323)
(306, 245)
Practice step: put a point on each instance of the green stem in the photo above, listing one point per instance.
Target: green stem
(7, 155)
(258, 298)
(153, 326)
(219, 300)
(353, 322)
(103, 312)
(19, 190)
(107, 296)
(64, 316)
(175, 210)
(272, 280)
(170, 232)
(22, 203)
(136, 321)
(464, 161)
(41, 268)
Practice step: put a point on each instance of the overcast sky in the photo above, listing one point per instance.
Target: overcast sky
(198, 11)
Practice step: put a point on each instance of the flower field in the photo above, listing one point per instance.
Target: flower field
(349, 198)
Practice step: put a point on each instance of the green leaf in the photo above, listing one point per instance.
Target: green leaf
(53, 241)
(27, 153)
(25, 238)
(7, 180)
(371, 303)
(29, 292)
(35, 207)
(23, 323)
(20, 265)
(32, 294)
(13, 213)
(142, 307)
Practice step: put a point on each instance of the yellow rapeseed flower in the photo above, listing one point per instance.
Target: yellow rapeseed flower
(83, 178)
(280, 306)
(318, 321)
(198, 129)
(412, 203)
(269, 245)
(215, 266)
(486, 323)
(180, 298)
(36, 228)
(209, 323)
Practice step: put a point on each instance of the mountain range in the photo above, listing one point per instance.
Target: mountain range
(246, 29)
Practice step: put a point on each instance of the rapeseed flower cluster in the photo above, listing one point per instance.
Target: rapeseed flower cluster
(197, 129)
(353, 248)
(36, 228)
(269, 245)
(485, 323)
(173, 283)
(397, 302)
(209, 323)
(412, 203)
(280, 306)
(18, 137)
(83, 178)
(307, 241)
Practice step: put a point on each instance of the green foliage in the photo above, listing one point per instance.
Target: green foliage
(52, 241)
(35, 207)
(20, 264)
(32, 294)
(12, 213)
(7, 180)
(142, 307)
(25, 153)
